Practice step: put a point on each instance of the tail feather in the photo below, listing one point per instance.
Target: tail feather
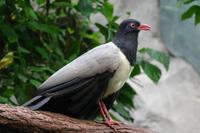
(36, 102)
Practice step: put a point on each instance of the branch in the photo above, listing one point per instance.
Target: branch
(20, 119)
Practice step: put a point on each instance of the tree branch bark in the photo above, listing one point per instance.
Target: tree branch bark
(23, 120)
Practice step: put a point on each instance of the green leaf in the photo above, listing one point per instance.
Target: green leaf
(188, 13)
(41, 69)
(102, 29)
(22, 93)
(7, 93)
(86, 7)
(70, 31)
(128, 13)
(122, 112)
(152, 71)
(96, 37)
(9, 33)
(42, 52)
(115, 18)
(43, 27)
(197, 17)
(23, 50)
(62, 4)
(158, 56)
(136, 71)
(6, 60)
(107, 11)
(39, 2)
(193, 10)
(126, 96)
(36, 83)
(4, 100)
(187, 1)
(30, 13)
(22, 78)
(2, 2)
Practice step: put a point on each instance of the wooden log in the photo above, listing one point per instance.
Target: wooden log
(22, 120)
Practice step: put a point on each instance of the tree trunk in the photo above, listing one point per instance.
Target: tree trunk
(23, 120)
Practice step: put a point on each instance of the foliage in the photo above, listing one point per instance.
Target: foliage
(193, 10)
(5, 61)
(39, 37)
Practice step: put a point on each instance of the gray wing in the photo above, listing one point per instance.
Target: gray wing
(96, 61)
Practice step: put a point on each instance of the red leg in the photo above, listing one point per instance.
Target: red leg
(102, 111)
(109, 118)
(104, 115)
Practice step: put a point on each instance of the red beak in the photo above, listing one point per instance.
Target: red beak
(144, 27)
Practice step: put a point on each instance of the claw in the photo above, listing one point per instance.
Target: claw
(110, 124)
(113, 122)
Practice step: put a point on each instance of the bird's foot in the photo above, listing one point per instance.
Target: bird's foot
(111, 123)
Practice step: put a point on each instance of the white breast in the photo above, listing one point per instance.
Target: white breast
(120, 76)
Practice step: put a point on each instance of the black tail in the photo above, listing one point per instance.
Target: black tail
(36, 102)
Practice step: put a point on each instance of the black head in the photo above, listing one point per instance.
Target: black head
(128, 31)
(132, 26)
(127, 36)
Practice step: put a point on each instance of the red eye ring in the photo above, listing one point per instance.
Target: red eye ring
(132, 25)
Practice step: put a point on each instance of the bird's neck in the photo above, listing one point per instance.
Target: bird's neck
(128, 45)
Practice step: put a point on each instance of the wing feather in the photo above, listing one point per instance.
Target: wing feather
(66, 89)
(96, 61)
(76, 99)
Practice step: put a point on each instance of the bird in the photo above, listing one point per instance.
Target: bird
(90, 83)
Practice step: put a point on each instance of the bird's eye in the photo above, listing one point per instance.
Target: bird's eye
(132, 25)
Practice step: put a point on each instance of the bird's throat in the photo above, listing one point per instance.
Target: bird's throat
(128, 45)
